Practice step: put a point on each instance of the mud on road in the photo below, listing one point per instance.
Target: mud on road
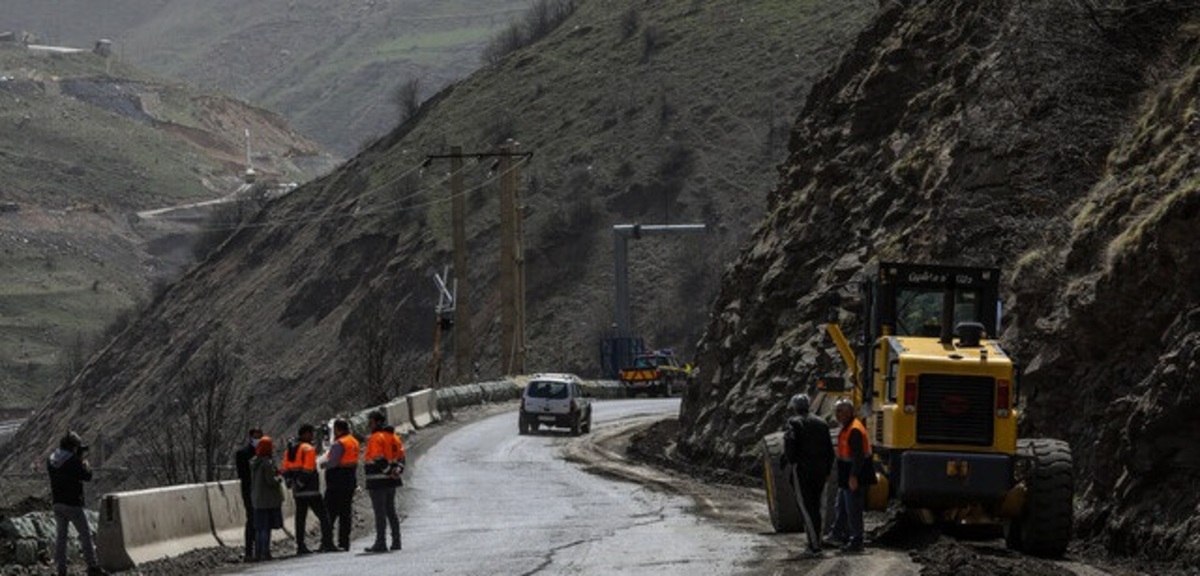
(644, 451)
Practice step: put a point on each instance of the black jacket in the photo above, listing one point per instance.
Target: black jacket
(807, 444)
(67, 475)
(241, 459)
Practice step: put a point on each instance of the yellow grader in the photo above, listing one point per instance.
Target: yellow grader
(939, 397)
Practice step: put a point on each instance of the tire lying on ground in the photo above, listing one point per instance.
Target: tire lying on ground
(1044, 528)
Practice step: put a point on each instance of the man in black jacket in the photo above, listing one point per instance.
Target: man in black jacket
(808, 449)
(242, 459)
(69, 469)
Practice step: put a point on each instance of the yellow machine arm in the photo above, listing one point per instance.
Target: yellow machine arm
(843, 346)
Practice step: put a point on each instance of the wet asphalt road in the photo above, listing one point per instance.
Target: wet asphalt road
(485, 500)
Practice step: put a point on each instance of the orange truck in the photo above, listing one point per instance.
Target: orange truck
(655, 373)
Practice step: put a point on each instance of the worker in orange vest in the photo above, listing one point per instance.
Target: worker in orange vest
(855, 475)
(300, 472)
(378, 462)
(341, 479)
(397, 459)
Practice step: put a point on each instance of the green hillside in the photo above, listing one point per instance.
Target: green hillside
(664, 112)
(88, 142)
(331, 67)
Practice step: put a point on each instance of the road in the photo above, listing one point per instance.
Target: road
(9, 427)
(485, 500)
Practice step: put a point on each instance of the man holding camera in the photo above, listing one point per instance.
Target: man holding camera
(69, 469)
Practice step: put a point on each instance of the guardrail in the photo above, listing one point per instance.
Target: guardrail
(144, 525)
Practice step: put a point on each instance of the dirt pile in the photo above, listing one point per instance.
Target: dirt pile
(1047, 138)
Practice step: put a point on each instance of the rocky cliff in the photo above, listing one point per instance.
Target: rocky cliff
(1052, 139)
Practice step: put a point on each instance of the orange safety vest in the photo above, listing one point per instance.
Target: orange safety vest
(395, 448)
(301, 466)
(349, 451)
(843, 447)
(378, 446)
(378, 459)
(305, 460)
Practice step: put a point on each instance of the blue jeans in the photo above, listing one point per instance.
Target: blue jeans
(264, 520)
(848, 515)
(66, 516)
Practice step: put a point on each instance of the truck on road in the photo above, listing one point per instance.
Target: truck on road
(656, 373)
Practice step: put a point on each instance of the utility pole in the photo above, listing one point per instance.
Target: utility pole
(512, 259)
(621, 234)
(512, 269)
(462, 314)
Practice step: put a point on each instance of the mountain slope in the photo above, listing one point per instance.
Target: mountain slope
(331, 67)
(1044, 138)
(85, 145)
(668, 111)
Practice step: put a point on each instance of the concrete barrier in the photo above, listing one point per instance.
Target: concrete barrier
(229, 516)
(399, 416)
(144, 525)
(500, 391)
(605, 389)
(423, 407)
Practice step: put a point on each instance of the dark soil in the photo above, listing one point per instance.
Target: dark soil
(656, 446)
(938, 553)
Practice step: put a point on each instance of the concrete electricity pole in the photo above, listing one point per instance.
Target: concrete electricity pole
(462, 313)
(512, 269)
(512, 260)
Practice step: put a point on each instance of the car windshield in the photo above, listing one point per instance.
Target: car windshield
(550, 390)
(643, 362)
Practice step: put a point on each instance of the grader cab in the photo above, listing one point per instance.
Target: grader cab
(940, 396)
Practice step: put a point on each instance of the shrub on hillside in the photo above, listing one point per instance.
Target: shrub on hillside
(650, 42)
(408, 99)
(499, 129)
(541, 19)
(630, 20)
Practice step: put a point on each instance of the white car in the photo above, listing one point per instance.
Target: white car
(555, 401)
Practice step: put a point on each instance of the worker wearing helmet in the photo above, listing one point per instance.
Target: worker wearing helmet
(855, 474)
(808, 450)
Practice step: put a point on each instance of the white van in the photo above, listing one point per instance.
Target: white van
(555, 401)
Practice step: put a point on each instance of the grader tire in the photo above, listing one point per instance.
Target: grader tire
(781, 499)
(1044, 529)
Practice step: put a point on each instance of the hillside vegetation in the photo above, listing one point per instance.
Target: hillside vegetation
(1051, 139)
(660, 112)
(331, 67)
(84, 144)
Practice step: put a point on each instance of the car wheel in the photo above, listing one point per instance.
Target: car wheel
(577, 426)
(587, 428)
(522, 426)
